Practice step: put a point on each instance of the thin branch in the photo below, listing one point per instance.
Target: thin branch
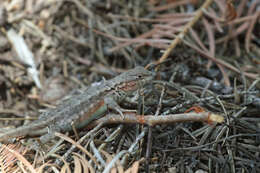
(151, 120)
(181, 35)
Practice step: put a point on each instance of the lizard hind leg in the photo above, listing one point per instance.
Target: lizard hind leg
(46, 138)
(38, 145)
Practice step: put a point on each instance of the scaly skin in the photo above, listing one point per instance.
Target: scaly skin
(84, 107)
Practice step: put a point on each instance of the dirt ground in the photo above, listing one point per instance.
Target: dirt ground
(206, 58)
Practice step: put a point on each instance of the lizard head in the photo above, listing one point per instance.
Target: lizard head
(135, 78)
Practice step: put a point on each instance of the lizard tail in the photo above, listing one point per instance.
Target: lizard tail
(20, 131)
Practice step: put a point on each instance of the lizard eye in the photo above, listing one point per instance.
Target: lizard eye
(139, 76)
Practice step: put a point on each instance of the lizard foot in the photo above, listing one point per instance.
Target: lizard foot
(121, 110)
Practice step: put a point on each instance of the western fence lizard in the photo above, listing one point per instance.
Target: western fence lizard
(84, 107)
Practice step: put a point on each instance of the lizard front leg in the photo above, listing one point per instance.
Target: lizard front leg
(112, 104)
(46, 137)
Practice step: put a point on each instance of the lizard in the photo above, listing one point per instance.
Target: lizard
(84, 107)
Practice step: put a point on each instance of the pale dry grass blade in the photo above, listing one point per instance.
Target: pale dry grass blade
(181, 35)
(77, 164)
(85, 164)
(221, 5)
(24, 54)
(171, 5)
(127, 43)
(21, 158)
(212, 48)
(250, 30)
(7, 160)
(241, 7)
(197, 39)
(45, 165)
(225, 64)
(134, 168)
(65, 168)
(211, 38)
(117, 167)
(77, 145)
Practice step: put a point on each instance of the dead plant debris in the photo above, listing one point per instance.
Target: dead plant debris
(207, 62)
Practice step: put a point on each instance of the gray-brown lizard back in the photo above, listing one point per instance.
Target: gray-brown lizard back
(77, 105)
